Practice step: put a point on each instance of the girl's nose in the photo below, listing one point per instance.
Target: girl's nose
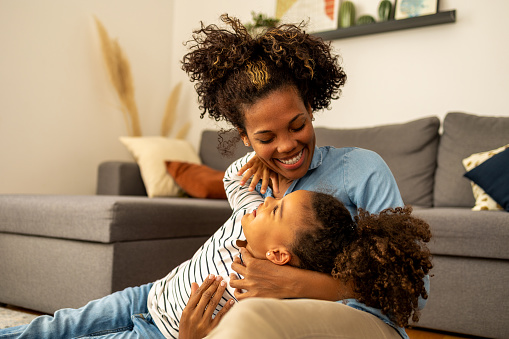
(268, 200)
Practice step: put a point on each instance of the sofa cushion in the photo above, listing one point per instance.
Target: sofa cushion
(493, 177)
(109, 219)
(464, 134)
(466, 233)
(199, 181)
(482, 200)
(409, 150)
(151, 153)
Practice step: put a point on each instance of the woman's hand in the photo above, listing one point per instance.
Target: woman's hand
(262, 278)
(196, 320)
(258, 170)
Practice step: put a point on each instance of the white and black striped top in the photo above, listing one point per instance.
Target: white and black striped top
(169, 295)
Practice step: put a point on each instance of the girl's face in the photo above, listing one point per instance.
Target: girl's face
(271, 228)
(280, 131)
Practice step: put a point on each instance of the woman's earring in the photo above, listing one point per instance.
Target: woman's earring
(247, 144)
(268, 254)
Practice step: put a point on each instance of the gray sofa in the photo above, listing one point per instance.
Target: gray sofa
(62, 251)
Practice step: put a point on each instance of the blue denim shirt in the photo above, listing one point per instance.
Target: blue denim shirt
(377, 313)
(357, 177)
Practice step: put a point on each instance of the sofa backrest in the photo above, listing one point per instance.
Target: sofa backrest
(463, 135)
(409, 149)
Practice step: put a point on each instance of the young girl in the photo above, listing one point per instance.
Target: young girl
(381, 259)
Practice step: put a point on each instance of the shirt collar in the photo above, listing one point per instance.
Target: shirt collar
(317, 158)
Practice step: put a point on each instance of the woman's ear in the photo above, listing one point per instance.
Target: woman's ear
(279, 256)
(243, 136)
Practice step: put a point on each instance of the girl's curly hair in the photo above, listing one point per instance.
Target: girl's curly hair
(233, 69)
(383, 255)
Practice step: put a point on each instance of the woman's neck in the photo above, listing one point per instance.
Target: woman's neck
(284, 184)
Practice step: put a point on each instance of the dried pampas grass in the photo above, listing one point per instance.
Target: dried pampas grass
(120, 75)
(170, 115)
(119, 71)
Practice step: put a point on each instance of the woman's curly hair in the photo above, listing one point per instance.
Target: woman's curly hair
(384, 256)
(233, 69)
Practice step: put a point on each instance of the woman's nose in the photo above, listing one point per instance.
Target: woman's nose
(286, 144)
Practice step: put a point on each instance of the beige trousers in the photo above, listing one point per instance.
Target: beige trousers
(298, 319)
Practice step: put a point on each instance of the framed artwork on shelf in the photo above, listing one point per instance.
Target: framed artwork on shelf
(412, 8)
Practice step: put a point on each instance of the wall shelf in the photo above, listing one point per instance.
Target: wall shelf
(389, 26)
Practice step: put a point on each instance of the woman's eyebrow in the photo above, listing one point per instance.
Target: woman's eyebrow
(262, 132)
(269, 131)
(281, 210)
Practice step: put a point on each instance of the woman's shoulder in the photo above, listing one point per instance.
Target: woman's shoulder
(349, 154)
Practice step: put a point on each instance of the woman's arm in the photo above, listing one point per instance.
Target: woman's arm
(262, 278)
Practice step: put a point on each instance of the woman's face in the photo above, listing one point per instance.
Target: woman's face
(271, 228)
(280, 131)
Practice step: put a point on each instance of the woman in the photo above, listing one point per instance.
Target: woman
(268, 88)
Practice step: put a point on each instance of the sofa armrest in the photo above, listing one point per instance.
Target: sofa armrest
(120, 178)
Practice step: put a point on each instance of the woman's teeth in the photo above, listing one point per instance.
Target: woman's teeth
(292, 161)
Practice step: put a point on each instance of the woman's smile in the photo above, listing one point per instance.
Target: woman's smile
(293, 162)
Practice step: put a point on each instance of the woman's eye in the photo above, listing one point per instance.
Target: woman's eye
(299, 128)
(266, 141)
(275, 209)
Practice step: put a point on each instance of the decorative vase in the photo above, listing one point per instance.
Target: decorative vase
(384, 10)
(346, 14)
(365, 19)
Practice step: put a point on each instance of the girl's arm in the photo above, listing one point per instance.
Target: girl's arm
(197, 318)
(239, 197)
(257, 170)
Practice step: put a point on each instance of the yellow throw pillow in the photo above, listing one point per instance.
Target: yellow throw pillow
(151, 154)
(482, 200)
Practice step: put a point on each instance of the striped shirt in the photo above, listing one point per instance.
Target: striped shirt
(170, 295)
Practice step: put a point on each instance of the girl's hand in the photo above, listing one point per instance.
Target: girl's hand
(258, 170)
(262, 278)
(196, 321)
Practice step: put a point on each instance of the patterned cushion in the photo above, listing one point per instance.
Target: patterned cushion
(482, 200)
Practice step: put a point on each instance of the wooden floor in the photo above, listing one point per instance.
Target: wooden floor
(418, 333)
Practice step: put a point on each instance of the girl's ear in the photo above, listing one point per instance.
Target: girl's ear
(279, 256)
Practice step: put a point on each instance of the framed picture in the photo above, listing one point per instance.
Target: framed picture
(412, 8)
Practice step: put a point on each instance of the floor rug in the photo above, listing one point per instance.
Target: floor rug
(10, 317)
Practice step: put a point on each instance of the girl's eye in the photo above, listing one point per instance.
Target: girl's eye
(274, 210)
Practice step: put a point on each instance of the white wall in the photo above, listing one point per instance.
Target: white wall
(58, 116)
(58, 112)
(399, 76)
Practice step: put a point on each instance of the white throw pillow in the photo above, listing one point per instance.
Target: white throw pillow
(151, 154)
